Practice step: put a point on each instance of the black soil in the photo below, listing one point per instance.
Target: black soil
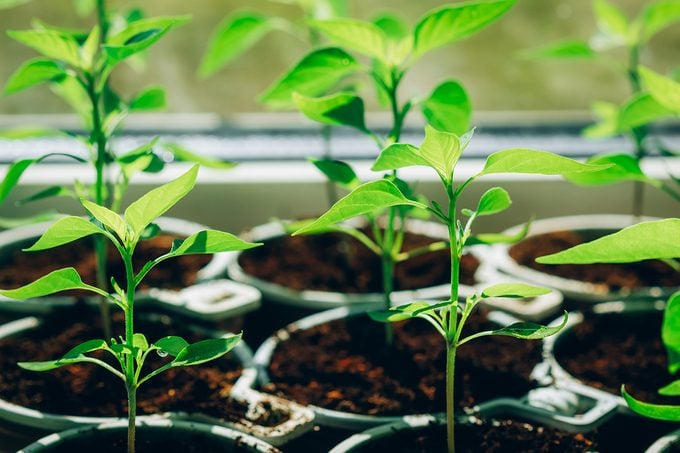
(336, 262)
(611, 277)
(502, 435)
(610, 350)
(21, 268)
(89, 390)
(343, 365)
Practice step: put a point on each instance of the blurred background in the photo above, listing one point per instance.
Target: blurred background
(487, 63)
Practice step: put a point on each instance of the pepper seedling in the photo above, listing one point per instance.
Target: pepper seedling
(644, 241)
(636, 115)
(441, 152)
(125, 233)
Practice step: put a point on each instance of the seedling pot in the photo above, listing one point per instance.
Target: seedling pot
(590, 226)
(212, 297)
(320, 300)
(218, 438)
(666, 443)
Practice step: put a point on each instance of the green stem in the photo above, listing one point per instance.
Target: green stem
(132, 415)
(639, 134)
(103, 19)
(452, 328)
(450, 404)
(130, 374)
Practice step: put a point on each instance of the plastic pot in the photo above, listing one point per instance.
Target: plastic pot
(666, 443)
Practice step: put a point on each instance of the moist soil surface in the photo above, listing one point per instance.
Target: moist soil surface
(337, 262)
(89, 390)
(20, 268)
(343, 365)
(606, 351)
(501, 435)
(611, 277)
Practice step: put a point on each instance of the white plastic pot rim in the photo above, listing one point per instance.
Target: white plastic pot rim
(664, 443)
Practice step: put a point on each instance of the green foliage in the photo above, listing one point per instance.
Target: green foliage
(64, 231)
(514, 290)
(54, 282)
(343, 109)
(670, 333)
(139, 36)
(448, 108)
(338, 172)
(623, 167)
(493, 201)
(529, 161)
(360, 36)
(50, 43)
(664, 90)
(655, 411)
(564, 49)
(34, 72)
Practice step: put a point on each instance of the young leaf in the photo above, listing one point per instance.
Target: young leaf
(658, 15)
(205, 351)
(607, 124)
(452, 23)
(643, 241)
(672, 389)
(442, 151)
(670, 332)
(365, 199)
(182, 154)
(624, 168)
(360, 36)
(562, 49)
(338, 172)
(107, 217)
(314, 75)
(393, 26)
(232, 37)
(493, 201)
(63, 231)
(497, 238)
(611, 21)
(397, 156)
(139, 36)
(531, 161)
(400, 313)
(209, 241)
(514, 290)
(54, 282)
(655, 411)
(50, 43)
(530, 330)
(641, 110)
(171, 345)
(152, 98)
(75, 355)
(156, 202)
(33, 72)
(448, 108)
(343, 109)
(664, 90)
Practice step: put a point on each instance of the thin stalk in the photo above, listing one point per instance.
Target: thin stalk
(132, 415)
(102, 19)
(130, 374)
(452, 328)
(638, 134)
(450, 407)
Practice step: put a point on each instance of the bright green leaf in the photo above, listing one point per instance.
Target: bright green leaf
(442, 151)
(400, 313)
(655, 411)
(493, 201)
(392, 25)
(658, 15)
(670, 332)
(448, 108)
(497, 238)
(672, 389)
(210, 241)
(232, 37)
(625, 168)
(664, 90)
(611, 21)
(152, 98)
(530, 330)
(75, 355)
(64, 231)
(50, 43)
(514, 290)
(54, 282)
(397, 156)
(452, 23)
(314, 75)
(139, 36)
(607, 124)
(562, 49)
(643, 241)
(531, 161)
(107, 217)
(343, 109)
(360, 36)
(365, 199)
(182, 154)
(33, 72)
(643, 109)
(171, 345)
(338, 172)
(205, 351)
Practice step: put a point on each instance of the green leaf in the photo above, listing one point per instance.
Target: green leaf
(664, 90)
(448, 108)
(63, 231)
(210, 241)
(337, 172)
(139, 36)
(13, 175)
(75, 355)
(643, 109)
(562, 49)
(171, 345)
(73, 93)
(530, 330)
(232, 37)
(182, 154)
(611, 21)
(670, 332)
(397, 156)
(442, 151)
(624, 168)
(24, 132)
(495, 238)
(658, 15)
(672, 389)
(205, 351)
(33, 72)
(514, 290)
(54, 282)
(50, 43)
(655, 411)
(139, 159)
(365, 199)
(644, 241)
(152, 98)
(89, 49)
(401, 313)
(531, 161)
(607, 121)
(452, 23)
(107, 217)
(156, 202)
(314, 75)
(15, 222)
(344, 109)
(392, 25)
(493, 201)
(360, 36)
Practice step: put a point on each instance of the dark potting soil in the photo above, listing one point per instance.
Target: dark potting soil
(153, 441)
(606, 351)
(21, 268)
(612, 277)
(495, 436)
(89, 390)
(337, 262)
(343, 365)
